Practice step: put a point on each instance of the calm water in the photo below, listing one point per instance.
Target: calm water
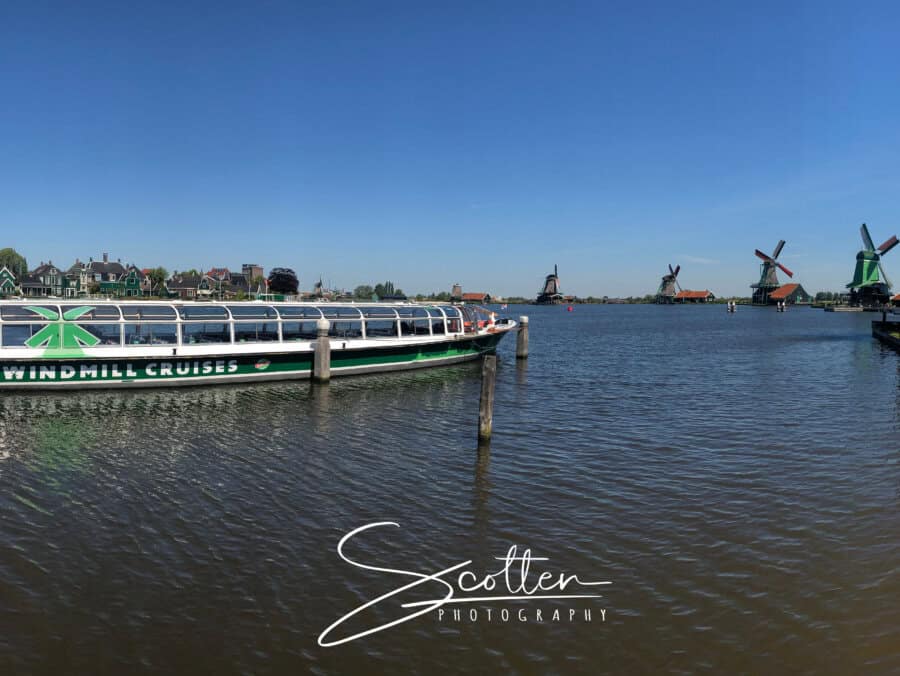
(737, 478)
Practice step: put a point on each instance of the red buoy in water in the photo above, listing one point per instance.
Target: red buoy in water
(570, 309)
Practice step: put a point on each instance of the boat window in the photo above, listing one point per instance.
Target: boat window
(416, 327)
(252, 311)
(450, 311)
(435, 312)
(344, 329)
(205, 332)
(203, 312)
(82, 313)
(379, 312)
(381, 328)
(437, 326)
(411, 311)
(298, 330)
(333, 312)
(453, 326)
(13, 312)
(106, 335)
(298, 312)
(149, 312)
(470, 319)
(252, 332)
(15, 335)
(151, 334)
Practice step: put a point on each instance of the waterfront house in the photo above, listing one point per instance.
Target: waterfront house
(225, 284)
(8, 286)
(476, 297)
(239, 283)
(44, 280)
(185, 287)
(108, 275)
(78, 279)
(105, 271)
(128, 285)
(790, 294)
(694, 296)
(103, 276)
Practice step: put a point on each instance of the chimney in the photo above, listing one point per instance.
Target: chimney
(105, 257)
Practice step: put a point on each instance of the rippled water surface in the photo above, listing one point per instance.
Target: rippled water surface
(736, 477)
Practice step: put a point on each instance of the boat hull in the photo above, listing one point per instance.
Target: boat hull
(83, 373)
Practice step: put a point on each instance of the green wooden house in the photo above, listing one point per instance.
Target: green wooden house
(8, 286)
(127, 285)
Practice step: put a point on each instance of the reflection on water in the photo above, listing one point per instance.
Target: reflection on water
(736, 476)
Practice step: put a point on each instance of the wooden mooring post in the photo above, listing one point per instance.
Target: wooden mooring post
(522, 338)
(486, 405)
(322, 355)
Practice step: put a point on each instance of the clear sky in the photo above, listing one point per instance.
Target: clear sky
(472, 142)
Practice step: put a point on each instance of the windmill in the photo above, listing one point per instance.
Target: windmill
(870, 285)
(551, 293)
(768, 277)
(666, 292)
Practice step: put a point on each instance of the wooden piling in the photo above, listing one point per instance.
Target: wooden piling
(322, 355)
(486, 406)
(522, 338)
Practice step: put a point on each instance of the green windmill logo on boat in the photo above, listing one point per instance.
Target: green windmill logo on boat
(61, 337)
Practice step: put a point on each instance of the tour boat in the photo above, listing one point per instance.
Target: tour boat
(72, 345)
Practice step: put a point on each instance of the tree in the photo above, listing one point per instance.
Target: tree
(283, 280)
(363, 292)
(257, 282)
(158, 277)
(386, 289)
(14, 261)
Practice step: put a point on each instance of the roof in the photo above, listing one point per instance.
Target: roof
(43, 269)
(183, 282)
(687, 295)
(32, 281)
(783, 292)
(473, 296)
(106, 268)
(897, 297)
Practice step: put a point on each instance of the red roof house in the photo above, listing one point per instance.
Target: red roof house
(477, 297)
(790, 293)
(694, 296)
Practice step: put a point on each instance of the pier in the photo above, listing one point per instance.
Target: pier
(887, 330)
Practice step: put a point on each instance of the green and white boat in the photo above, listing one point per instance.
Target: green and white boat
(58, 345)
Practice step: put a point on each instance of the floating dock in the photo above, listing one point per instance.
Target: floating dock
(888, 330)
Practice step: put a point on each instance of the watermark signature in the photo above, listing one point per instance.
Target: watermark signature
(514, 581)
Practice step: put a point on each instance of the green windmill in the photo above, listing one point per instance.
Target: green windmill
(870, 286)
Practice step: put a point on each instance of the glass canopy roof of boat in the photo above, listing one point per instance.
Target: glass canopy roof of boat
(106, 311)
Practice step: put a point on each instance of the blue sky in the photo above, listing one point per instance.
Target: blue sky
(465, 142)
